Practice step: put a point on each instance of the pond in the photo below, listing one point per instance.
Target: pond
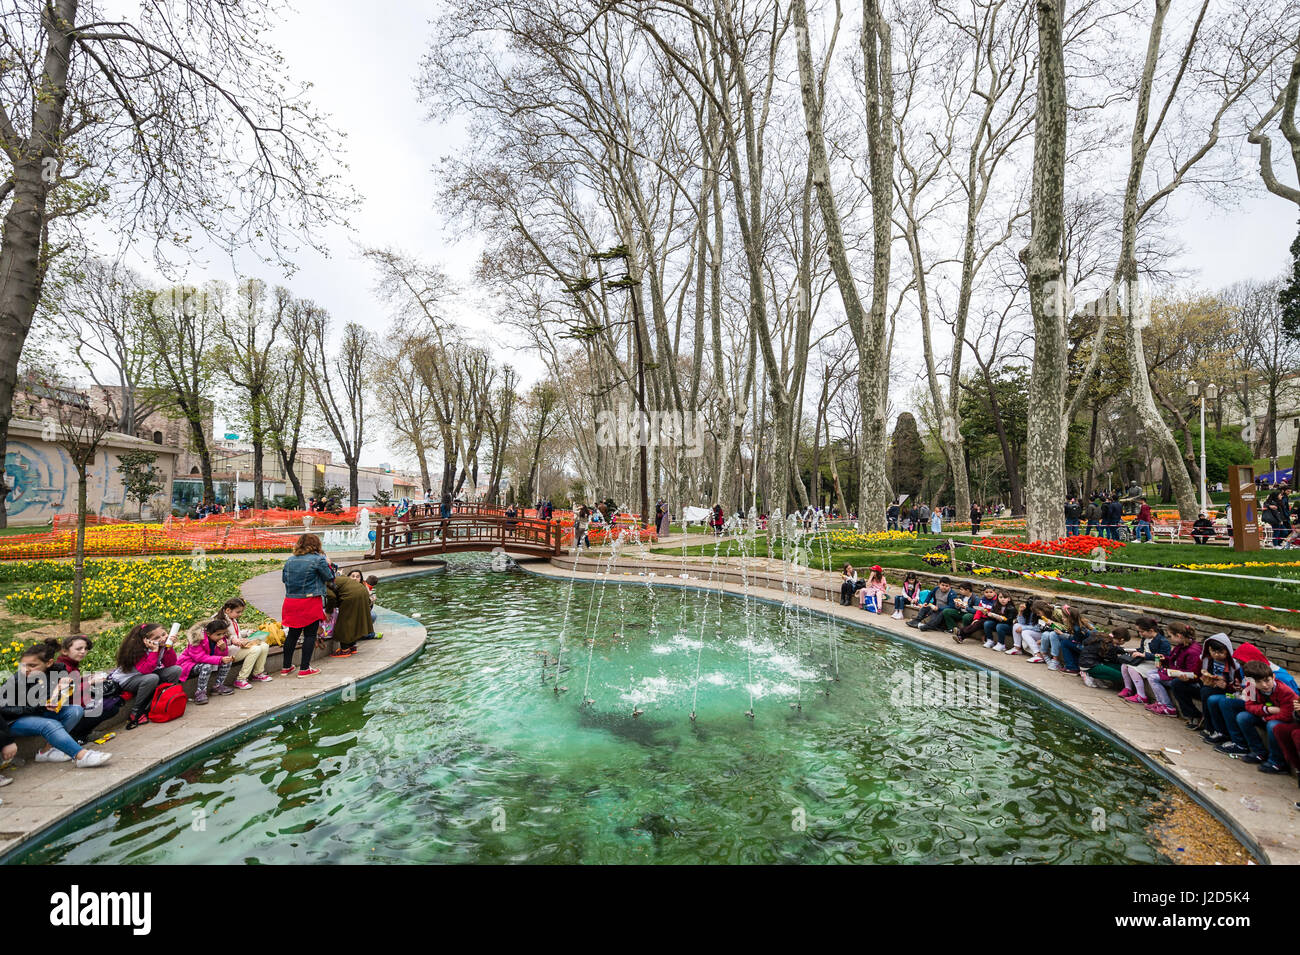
(860, 748)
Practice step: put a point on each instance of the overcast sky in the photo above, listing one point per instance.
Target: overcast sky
(363, 59)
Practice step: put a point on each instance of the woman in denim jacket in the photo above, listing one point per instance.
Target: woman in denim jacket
(305, 575)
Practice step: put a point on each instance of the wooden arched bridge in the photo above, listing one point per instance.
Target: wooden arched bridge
(470, 527)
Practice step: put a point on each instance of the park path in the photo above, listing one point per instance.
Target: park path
(43, 795)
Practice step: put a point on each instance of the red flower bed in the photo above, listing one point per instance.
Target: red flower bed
(1077, 546)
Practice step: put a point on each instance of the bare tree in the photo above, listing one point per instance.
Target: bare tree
(1045, 452)
(153, 121)
(101, 309)
(181, 322)
(339, 384)
(249, 326)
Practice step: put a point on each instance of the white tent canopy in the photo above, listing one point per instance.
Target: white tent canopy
(695, 514)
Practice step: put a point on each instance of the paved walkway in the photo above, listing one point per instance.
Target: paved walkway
(44, 794)
(1259, 806)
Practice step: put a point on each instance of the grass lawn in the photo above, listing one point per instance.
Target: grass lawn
(161, 590)
(906, 555)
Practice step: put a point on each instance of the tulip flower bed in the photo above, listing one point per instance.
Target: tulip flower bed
(126, 540)
(161, 590)
(1077, 546)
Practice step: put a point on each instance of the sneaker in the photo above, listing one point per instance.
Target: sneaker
(913, 623)
(1037, 658)
(896, 615)
(287, 670)
(260, 678)
(380, 636)
(1000, 648)
(1268, 766)
(1252, 758)
(988, 644)
(1052, 665)
(133, 721)
(1069, 671)
(199, 698)
(342, 652)
(1013, 651)
(1088, 681)
(310, 671)
(93, 758)
(1125, 693)
(5, 780)
(243, 685)
(1140, 700)
(1214, 737)
(52, 756)
(223, 690)
(1232, 749)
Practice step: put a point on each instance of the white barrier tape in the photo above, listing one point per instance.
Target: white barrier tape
(1137, 590)
(1107, 562)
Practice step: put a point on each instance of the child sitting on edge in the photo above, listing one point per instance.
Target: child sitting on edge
(1027, 633)
(1099, 658)
(997, 621)
(249, 654)
(1180, 667)
(850, 584)
(876, 591)
(1143, 662)
(911, 595)
(210, 653)
(1270, 704)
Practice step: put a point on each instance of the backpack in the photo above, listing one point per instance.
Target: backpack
(274, 634)
(168, 703)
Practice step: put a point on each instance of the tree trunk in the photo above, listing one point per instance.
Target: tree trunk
(22, 237)
(1047, 428)
(79, 562)
(287, 461)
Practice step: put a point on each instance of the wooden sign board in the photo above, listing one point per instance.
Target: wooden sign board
(1244, 507)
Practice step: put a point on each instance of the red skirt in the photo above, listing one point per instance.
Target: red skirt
(302, 611)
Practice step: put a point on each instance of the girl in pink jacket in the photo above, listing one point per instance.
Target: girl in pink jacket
(210, 653)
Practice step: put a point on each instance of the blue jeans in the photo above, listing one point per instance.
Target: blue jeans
(997, 632)
(1142, 531)
(1071, 528)
(1222, 711)
(1247, 727)
(1069, 651)
(55, 728)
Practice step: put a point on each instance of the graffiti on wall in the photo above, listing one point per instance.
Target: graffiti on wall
(43, 482)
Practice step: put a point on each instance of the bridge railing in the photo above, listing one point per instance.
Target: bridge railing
(464, 531)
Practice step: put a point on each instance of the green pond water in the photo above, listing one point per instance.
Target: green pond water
(469, 754)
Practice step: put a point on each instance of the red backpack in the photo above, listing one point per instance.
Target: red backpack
(168, 703)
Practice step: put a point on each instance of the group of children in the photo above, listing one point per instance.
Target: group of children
(1240, 702)
(49, 696)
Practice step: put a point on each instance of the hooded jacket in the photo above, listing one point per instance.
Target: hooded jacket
(1233, 673)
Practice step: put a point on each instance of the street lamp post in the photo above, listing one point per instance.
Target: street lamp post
(1212, 393)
